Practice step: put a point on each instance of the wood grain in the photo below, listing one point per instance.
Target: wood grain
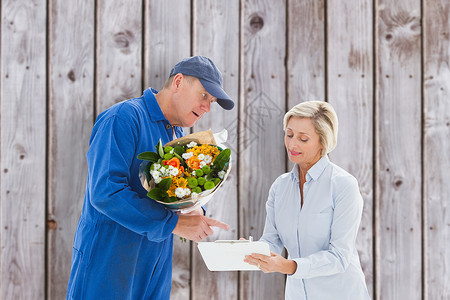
(211, 18)
(350, 91)
(119, 52)
(272, 55)
(261, 147)
(306, 51)
(436, 148)
(23, 149)
(398, 155)
(71, 83)
(167, 37)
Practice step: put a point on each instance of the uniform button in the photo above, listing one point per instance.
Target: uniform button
(168, 126)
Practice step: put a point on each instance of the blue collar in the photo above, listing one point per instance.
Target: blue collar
(155, 112)
(314, 172)
(153, 109)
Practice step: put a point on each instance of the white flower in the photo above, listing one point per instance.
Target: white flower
(164, 171)
(171, 151)
(187, 155)
(156, 166)
(191, 144)
(179, 192)
(202, 164)
(157, 179)
(194, 195)
(201, 156)
(193, 173)
(173, 171)
(187, 192)
(221, 174)
(207, 159)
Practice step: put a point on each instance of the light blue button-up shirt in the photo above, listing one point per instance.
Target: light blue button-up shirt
(320, 237)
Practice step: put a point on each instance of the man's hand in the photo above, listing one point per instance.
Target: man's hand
(197, 211)
(196, 227)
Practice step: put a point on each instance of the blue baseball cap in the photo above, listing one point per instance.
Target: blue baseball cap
(210, 77)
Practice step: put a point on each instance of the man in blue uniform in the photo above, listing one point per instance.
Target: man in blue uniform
(124, 241)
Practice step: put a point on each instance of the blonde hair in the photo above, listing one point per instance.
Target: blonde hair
(324, 119)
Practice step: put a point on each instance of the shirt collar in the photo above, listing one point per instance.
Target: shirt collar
(314, 172)
(155, 112)
(153, 109)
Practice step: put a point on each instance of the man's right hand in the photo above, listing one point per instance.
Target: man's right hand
(196, 227)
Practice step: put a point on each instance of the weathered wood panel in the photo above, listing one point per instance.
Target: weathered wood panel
(167, 38)
(261, 148)
(71, 86)
(23, 149)
(350, 91)
(306, 51)
(398, 155)
(211, 18)
(119, 52)
(135, 46)
(436, 149)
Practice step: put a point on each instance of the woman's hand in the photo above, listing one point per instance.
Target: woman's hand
(272, 263)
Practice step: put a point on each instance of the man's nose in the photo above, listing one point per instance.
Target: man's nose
(206, 106)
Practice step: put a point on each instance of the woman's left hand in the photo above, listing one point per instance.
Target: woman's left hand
(272, 263)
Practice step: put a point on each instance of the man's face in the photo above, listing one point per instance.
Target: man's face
(191, 101)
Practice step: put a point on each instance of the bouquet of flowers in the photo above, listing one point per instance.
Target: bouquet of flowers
(184, 174)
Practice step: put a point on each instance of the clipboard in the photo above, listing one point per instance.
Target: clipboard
(228, 255)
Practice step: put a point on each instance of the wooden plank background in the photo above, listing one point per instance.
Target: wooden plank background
(398, 174)
(71, 72)
(383, 65)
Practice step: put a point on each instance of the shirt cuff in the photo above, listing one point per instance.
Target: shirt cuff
(303, 268)
(165, 230)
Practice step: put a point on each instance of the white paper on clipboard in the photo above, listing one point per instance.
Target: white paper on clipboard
(228, 255)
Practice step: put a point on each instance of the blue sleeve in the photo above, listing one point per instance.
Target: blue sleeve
(111, 155)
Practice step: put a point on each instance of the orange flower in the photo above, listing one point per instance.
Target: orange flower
(205, 149)
(193, 163)
(174, 162)
(176, 182)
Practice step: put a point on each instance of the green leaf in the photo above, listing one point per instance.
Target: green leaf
(171, 199)
(222, 159)
(149, 156)
(160, 149)
(178, 150)
(178, 156)
(155, 193)
(165, 184)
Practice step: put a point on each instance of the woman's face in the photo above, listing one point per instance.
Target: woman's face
(302, 142)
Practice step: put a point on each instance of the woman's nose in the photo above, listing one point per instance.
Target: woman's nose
(291, 144)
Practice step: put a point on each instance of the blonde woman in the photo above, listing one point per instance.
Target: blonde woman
(314, 211)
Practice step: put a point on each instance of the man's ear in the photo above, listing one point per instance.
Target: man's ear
(177, 82)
